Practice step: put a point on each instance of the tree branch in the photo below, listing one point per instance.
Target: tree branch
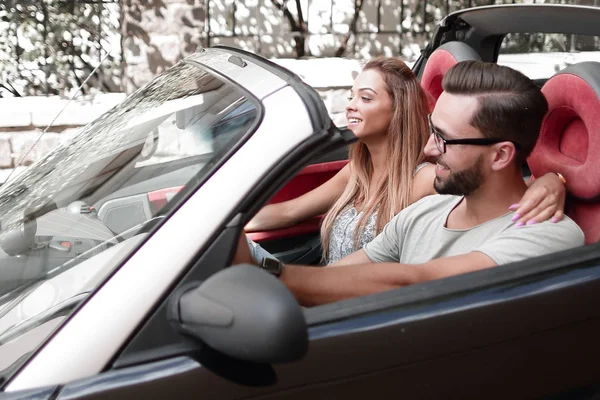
(286, 12)
(343, 47)
(301, 22)
(11, 89)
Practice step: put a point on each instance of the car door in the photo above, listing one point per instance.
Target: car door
(528, 330)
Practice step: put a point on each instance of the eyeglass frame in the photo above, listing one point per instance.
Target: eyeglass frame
(472, 141)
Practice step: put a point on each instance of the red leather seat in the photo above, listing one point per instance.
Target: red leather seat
(569, 141)
(440, 61)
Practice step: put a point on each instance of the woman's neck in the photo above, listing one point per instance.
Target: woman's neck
(378, 152)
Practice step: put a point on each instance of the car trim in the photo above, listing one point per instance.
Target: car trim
(525, 18)
(314, 105)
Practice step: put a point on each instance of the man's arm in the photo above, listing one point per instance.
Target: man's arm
(358, 257)
(315, 286)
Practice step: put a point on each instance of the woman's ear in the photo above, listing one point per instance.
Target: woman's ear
(503, 155)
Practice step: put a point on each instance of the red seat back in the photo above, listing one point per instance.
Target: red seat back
(440, 61)
(569, 141)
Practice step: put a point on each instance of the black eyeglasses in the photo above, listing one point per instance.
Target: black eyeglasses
(441, 142)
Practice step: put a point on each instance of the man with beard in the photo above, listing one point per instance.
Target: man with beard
(484, 125)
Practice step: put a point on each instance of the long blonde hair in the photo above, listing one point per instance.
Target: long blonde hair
(407, 134)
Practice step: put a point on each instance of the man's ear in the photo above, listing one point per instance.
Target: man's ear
(503, 155)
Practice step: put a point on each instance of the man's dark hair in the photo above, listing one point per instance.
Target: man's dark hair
(511, 106)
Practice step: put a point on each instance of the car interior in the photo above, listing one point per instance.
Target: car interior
(565, 146)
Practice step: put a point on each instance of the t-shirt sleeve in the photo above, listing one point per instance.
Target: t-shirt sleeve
(518, 244)
(387, 245)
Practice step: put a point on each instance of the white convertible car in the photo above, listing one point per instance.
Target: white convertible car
(115, 249)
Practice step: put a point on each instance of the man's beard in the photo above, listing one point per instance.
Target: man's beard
(462, 183)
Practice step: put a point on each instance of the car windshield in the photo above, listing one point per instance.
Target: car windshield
(91, 199)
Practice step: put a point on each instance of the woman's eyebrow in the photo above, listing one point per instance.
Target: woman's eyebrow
(365, 89)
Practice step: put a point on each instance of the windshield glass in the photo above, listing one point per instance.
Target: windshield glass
(90, 200)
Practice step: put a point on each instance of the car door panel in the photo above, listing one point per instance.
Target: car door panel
(301, 243)
(306, 180)
(525, 338)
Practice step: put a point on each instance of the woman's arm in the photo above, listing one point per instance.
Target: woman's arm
(543, 200)
(310, 204)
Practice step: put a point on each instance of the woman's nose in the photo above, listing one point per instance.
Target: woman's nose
(351, 105)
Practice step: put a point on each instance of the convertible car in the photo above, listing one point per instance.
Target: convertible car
(116, 248)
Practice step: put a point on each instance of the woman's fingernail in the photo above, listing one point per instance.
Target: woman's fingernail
(554, 219)
(530, 222)
(512, 207)
(519, 224)
(516, 217)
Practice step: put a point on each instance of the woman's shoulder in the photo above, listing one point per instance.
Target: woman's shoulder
(422, 184)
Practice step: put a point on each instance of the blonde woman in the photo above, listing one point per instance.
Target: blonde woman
(387, 170)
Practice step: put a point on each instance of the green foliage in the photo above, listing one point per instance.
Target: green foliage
(51, 46)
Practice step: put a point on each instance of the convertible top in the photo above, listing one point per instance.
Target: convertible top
(526, 18)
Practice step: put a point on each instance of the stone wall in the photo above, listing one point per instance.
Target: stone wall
(158, 33)
(24, 119)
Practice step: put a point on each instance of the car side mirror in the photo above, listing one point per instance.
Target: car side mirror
(245, 313)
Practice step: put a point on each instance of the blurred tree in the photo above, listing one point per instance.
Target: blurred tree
(51, 46)
(352, 31)
(297, 25)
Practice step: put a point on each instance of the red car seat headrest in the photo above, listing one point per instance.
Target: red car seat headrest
(440, 61)
(569, 140)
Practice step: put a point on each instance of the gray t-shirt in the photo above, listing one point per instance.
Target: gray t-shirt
(418, 234)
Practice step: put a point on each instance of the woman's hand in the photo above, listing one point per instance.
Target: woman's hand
(545, 199)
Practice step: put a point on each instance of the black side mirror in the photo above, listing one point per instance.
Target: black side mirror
(245, 313)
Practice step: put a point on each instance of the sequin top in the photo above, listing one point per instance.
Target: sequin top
(341, 238)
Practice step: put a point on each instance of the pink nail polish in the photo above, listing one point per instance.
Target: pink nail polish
(554, 219)
(530, 222)
(516, 217)
(519, 224)
(512, 207)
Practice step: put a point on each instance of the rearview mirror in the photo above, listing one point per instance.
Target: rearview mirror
(243, 312)
(20, 239)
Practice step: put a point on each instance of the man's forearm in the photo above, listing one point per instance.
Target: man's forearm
(317, 285)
